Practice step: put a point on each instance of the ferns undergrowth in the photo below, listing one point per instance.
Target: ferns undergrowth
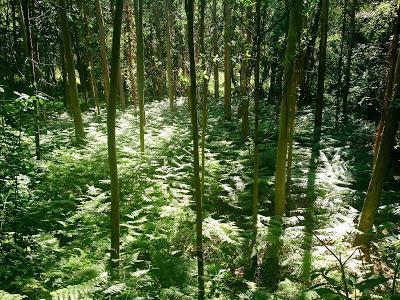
(68, 218)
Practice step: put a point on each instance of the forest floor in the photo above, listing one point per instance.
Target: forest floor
(68, 215)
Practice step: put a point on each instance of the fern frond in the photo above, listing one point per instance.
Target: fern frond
(7, 296)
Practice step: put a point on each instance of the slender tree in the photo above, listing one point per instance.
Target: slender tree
(112, 148)
(159, 47)
(227, 58)
(195, 131)
(215, 49)
(340, 62)
(288, 103)
(170, 74)
(256, 130)
(70, 67)
(347, 71)
(103, 50)
(321, 70)
(382, 161)
(140, 66)
(389, 82)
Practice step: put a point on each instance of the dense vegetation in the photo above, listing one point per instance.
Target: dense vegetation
(224, 149)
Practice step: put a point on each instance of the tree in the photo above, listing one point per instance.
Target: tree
(70, 67)
(340, 62)
(170, 75)
(140, 66)
(257, 39)
(103, 50)
(112, 148)
(389, 82)
(288, 104)
(321, 70)
(195, 132)
(347, 71)
(215, 49)
(227, 58)
(159, 48)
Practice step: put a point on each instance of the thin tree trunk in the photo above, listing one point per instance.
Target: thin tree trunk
(227, 58)
(70, 67)
(140, 66)
(195, 131)
(159, 48)
(131, 52)
(215, 49)
(92, 79)
(347, 74)
(321, 71)
(390, 82)
(382, 161)
(103, 50)
(112, 148)
(287, 113)
(256, 130)
(340, 75)
(170, 75)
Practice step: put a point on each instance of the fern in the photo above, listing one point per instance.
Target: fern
(7, 296)
(75, 292)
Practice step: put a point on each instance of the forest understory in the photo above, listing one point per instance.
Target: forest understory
(67, 220)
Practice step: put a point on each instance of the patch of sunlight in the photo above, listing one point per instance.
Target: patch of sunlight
(220, 232)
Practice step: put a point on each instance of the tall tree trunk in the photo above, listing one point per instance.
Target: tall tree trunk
(350, 45)
(92, 79)
(131, 52)
(287, 110)
(389, 83)
(340, 63)
(305, 89)
(170, 74)
(215, 49)
(195, 131)
(25, 17)
(140, 66)
(103, 50)
(244, 80)
(256, 130)
(204, 93)
(380, 167)
(321, 71)
(159, 48)
(227, 58)
(112, 148)
(70, 67)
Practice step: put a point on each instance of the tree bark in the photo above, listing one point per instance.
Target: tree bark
(215, 49)
(170, 75)
(289, 98)
(350, 45)
(112, 148)
(103, 50)
(321, 70)
(70, 67)
(140, 66)
(389, 83)
(195, 131)
(227, 59)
